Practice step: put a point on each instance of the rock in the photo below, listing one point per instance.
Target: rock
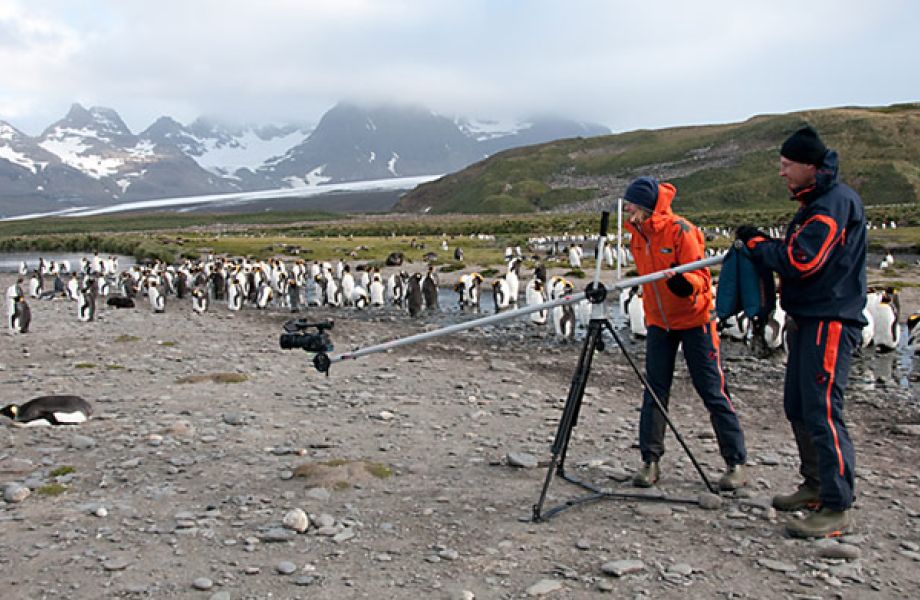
(319, 493)
(835, 549)
(653, 510)
(82, 442)
(523, 460)
(776, 565)
(277, 534)
(710, 501)
(116, 564)
(101, 512)
(682, 569)
(449, 554)
(544, 586)
(325, 520)
(220, 596)
(234, 418)
(15, 492)
(618, 568)
(910, 429)
(182, 428)
(297, 520)
(344, 535)
(286, 567)
(202, 583)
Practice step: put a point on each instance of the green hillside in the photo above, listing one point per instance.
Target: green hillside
(714, 166)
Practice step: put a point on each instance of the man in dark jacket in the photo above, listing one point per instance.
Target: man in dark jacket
(821, 263)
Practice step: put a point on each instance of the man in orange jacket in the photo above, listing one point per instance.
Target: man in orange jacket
(678, 311)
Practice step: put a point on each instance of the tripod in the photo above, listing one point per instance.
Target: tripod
(596, 294)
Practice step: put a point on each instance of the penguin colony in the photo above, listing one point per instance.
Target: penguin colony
(239, 283)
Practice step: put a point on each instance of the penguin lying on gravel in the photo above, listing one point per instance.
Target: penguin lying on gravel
(49, 410)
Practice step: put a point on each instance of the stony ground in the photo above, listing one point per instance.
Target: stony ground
(208, 441)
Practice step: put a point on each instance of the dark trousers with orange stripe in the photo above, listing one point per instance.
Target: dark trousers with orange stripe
(701, 351)
(816, 375)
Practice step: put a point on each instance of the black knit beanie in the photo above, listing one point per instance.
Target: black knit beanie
(804, 146)
(643, 192)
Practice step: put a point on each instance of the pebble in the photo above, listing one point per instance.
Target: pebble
(82, 442)
(653, 510)
(344, 535)
(710, 501)
(234, 418)
(325, 520)
(618, 568)
(15, 492)
(101, 512)
(449, 554)
(319, 493)
(682, 569)
(115, 564)
(276, 534)
(522, 459)
(305, 580)
(297, 520)
(776, 565)
(835, 549)
(202, 583)
(544, 586)
(286, 567)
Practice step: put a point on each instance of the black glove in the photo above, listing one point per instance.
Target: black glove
(746, 232)
(679, 286)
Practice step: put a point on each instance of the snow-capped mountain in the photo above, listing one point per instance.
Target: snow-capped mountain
(90, 157)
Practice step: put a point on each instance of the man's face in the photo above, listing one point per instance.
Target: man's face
(797, 175)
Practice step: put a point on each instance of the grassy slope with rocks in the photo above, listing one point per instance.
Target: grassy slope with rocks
(714, 166)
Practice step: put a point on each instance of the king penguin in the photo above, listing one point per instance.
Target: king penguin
(21, 317)
(199, 301)
(414, 294)
(533, 294)
(430, 290)
(49, 410)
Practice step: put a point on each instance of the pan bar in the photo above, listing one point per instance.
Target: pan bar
(524, 310)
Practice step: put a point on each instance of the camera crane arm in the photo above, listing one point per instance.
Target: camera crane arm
(322, 362)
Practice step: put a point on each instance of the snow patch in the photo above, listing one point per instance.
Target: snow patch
(18, 158)
(7, 132)
(248, 151)
(143, 149)
(316, 177)
(70, 150)
(487, 129)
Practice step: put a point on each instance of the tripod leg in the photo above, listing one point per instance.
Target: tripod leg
(570, 413)
(660, 407)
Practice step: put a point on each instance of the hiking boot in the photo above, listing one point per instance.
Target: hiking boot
(735, 477)
(825, 523)
(647, 476)
(804, 497)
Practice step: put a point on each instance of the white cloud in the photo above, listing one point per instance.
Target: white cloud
(623, 63)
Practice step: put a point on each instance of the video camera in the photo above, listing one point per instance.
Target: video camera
(297, 334)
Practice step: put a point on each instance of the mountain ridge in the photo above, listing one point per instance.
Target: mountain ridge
(91, 157)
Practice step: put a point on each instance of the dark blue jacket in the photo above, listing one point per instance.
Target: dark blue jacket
(821, 261)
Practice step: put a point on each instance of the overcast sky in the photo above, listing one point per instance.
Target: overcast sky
(626, 65)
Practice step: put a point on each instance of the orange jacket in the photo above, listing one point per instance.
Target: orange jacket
(661, 242)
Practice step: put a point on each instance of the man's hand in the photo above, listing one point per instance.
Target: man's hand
(679, 286)
(746, 232)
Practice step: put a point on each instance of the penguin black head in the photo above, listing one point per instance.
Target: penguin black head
(10, 410)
